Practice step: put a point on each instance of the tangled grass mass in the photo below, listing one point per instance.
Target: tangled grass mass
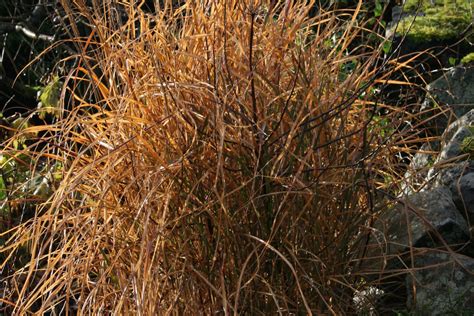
(220, 157)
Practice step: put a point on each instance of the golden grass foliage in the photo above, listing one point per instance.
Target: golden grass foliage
(216, 159)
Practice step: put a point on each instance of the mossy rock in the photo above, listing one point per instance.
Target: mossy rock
(441, 28)
(443, 21)
(414, 5)
(467, 146)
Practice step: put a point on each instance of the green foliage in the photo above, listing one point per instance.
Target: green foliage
(20, 181)
(387, 47)
(382, 126)
(21, 124)
(3, 196)
(469, 58)
(378, 10)
(452, 61)
(49, 97)
(346, 69)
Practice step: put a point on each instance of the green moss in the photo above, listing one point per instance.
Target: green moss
(422, 5)
(469, 58)
(414, 5)
(467, 146)
(443, 21)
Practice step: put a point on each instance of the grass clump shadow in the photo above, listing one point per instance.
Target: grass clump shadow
(213, 158)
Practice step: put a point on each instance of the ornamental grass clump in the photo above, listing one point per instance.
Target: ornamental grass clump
(215, 156)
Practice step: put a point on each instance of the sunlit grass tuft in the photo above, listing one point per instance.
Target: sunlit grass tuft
(217, 156)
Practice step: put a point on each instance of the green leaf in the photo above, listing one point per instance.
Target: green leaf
(3, 190)
(452, 61)
(49, 98)
(387, 47)
(378, 8)
(4, 207)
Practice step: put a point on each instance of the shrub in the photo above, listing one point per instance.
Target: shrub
(215, 156)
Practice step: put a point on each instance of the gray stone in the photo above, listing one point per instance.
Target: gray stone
(428, 171)
(416, 175)
(453, 147)
(463, 196)
(426, 156)
(426, 219)
(441, 284)
(449, 176)
(447, 170)
(454, 90)
(465, 120)
(420, 219)
(365, 300)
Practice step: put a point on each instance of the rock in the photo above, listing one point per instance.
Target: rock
(454, 91)
(447, 170)
(441, 284)
(465, 120)
(449, 176)
(463, 196)
(366, 299)
(418, 220)
(416, 175)
(453, 148)
(426, 156)
(436, 282)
